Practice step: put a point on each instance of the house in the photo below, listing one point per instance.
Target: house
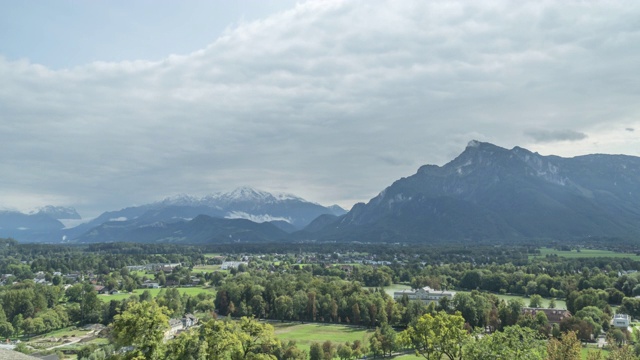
(150, 285)
(172, 283)
(621, 321)
(425, 294)
(555, 316)
(175, 325)
(228, 265)
(189, 320)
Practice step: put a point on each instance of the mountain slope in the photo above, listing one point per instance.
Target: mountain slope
(491, 193)
(38, 226)
(202, 229)
(287, 212)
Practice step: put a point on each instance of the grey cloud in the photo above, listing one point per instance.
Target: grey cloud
(630, 129)
(310, 100)
(545, 136)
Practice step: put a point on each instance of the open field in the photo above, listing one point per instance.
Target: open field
(154, 292)
(207, 268)
(585, 253)
(305, 334)
(395, 287)
(560, 304)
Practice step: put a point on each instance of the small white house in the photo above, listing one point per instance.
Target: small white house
(227, 265)
(621, 321)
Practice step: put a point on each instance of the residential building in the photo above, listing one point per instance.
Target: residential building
(426, 294)
(621, 321)
(555, 316)
(227, 265)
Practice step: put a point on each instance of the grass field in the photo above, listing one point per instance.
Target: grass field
(193, 291)
(560, 304)
(395, 287)
(207, 268)
(305, 334)
(585, 253)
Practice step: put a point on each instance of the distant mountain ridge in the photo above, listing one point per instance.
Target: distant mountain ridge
(286, 212)
(58, 212)
(201, 229)
(492, 193)
(487, 193)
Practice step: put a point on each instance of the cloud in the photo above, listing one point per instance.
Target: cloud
(629, 129)
(331, 101)
(546, 136)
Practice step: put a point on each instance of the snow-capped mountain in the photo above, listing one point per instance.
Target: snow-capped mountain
(58, 212)
(29, 227)
(287, 211)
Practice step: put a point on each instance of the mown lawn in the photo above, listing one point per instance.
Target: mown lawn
(306, 334)
(193, 291)
(207, 268)
(395, 287)
(585, 253)
(560, 304)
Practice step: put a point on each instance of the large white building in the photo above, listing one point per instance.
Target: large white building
(425, 294)
(621, 321)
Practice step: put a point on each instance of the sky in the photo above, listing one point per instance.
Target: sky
(108, 104)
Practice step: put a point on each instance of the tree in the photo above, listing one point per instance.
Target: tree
(622, 353)
(344, 351)
(315, 352)
(514, 343)
(535, 301)
(220, 337)
(328, 350)
(142, 326)
(616, 337)
(284, 307)
(17, 322)
(436, 336)
(581, 328)
(6, 329)
(386, 336)
(187, 346)
(567, 348)
(254, 338)
(289, 351)
(510, 312)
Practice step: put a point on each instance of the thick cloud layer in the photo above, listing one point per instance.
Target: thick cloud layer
(330, 100)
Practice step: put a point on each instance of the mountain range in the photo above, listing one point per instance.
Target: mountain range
(492, 193)
(237, 210)
(487, 193)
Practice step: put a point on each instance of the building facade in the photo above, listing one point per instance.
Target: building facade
(425, 294)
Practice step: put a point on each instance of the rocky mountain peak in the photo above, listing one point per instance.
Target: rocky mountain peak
(58, 212)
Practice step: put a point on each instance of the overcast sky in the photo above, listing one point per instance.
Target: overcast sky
(107, 104)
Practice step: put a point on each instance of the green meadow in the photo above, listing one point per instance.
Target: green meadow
(193, 291)
(207, 268)
(560, 304)
(585, 253)
(306, 334)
